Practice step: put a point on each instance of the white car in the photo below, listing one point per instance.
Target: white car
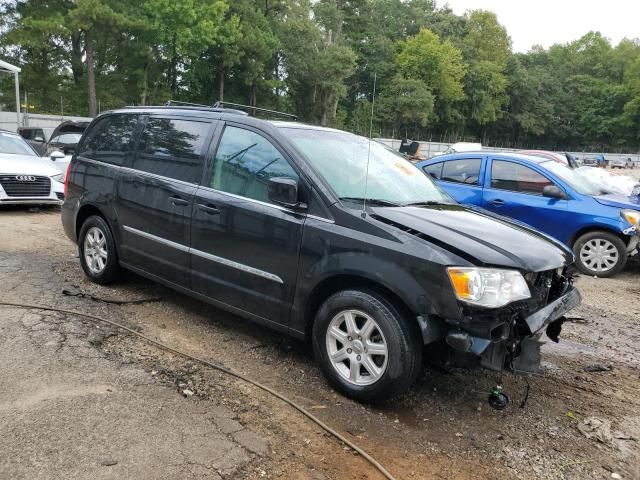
(26, 178)
(461, 147)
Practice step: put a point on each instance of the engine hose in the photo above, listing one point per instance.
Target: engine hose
(220, 368)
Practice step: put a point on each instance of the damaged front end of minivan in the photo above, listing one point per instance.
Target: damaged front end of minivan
(503, 317)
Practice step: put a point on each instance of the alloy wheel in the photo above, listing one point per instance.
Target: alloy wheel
(357, 348)
(95, 250)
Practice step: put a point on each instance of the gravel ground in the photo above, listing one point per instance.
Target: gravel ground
(581, 419)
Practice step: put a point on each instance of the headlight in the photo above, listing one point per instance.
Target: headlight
(631, 216)
(58, 178)
(488, 287)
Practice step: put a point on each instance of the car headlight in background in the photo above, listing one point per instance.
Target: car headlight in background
(631, 216)
(488, 287)
(58, 178)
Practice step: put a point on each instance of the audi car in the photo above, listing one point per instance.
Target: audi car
(25, 177)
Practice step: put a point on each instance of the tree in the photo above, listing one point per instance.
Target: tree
(315, 70)
(438, 65)
(487, 48)
(35, 38)
(406, 105)
(437, 73)
(93, 19)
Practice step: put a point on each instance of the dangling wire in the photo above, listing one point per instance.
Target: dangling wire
(366, 174)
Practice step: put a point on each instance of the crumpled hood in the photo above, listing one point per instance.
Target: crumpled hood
(619, 201)
(26, 165)
(480, 239)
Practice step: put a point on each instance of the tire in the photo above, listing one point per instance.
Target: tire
(104, 269)
(610, 245)
(395, 372)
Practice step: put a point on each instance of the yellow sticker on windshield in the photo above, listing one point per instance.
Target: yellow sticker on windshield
(406, 169)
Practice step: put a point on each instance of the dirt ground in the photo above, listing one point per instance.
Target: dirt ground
(581, 419)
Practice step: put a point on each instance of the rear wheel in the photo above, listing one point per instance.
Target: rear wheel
(365, 346)
(600, 253)
(97, 249)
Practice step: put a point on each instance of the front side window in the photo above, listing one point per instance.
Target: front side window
(109, 139)
(172, 148)
(465, 171)
(517, 178)
(244, 163)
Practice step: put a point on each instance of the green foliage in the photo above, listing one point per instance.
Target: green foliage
(438, 73)
(408, 104)
(438, 64)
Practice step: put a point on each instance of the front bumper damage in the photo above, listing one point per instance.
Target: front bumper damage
(508, 338)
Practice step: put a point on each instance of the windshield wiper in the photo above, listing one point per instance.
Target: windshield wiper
(373, 201)
(425, 203)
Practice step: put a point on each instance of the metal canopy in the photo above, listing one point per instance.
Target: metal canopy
(12, 69)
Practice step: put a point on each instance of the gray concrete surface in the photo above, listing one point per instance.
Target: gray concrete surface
(68, 411)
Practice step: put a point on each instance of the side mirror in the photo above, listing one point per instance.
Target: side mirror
(57, 155)
(38, 138)
(284, 191)
(553, 191)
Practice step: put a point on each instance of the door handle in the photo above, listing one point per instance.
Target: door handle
(179, 202)
(208, 209)
(497, 202)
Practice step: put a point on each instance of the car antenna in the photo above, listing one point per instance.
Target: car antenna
(366, 174)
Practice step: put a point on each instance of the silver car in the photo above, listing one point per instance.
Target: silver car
(621, 163)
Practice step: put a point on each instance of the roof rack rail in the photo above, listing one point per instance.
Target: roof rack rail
(249, 107)
(197, 106)
(176, 102)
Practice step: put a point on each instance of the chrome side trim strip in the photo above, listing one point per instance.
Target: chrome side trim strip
(322, 219)
(159, 177)
(164, 241)
(250, 200)
(208, 256)
(98, 162)
(137, 172)
(238, 266)
(259, 202)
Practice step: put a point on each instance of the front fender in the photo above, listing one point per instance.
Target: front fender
(420, 284)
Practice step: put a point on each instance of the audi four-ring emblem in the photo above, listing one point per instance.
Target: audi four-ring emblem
(25, 178)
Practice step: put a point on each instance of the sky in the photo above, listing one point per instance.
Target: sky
(545, 22)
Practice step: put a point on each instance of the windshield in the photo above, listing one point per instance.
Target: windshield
(341, 158)
(67, 138)
(14, 145)
(576, 181)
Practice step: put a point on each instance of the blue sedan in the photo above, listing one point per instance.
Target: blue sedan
(602, 229)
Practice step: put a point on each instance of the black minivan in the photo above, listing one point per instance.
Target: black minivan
(318, 233)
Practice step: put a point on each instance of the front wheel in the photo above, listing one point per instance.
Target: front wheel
(600, 253)
(365, 346)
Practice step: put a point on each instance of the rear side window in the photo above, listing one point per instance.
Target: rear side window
(110, 139)
(244, 163)
(172, 148)
(465, 171)
(517, 178)
(434, 171)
